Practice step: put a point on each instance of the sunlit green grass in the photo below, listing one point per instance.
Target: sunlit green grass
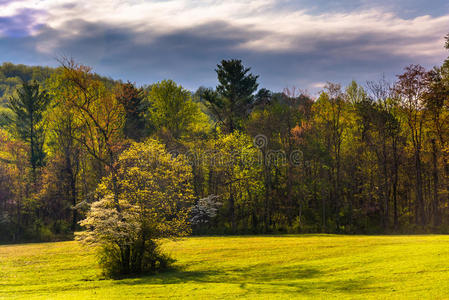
(310, 266)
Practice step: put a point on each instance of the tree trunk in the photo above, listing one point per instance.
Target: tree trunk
(395, 184)
(419, 188)
(74, 196)
(436, 204)
(386, 192)
(232, 208)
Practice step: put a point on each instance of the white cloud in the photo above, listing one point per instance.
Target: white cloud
(285, 29)
(184, 39)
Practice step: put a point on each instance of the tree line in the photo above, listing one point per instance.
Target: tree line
(365, 158)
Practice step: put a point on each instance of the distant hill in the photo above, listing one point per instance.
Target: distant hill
(12, 76)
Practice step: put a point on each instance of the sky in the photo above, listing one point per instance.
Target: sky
(302, 43)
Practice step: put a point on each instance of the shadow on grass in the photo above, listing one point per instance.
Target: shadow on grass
(261, 278)
(251, 274)
(171, 276)
(296, 289)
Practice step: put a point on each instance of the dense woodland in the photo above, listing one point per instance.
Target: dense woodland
(371, 157)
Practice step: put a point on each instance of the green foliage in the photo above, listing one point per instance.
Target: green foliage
(132, 99)
(235, 82)
(355, 159)
(5, 117)
(355, 93)
(28, 109)
(233, 99)
(12, 76)
(172, 108)
(237, 165)
(97, 113)
(154, 201)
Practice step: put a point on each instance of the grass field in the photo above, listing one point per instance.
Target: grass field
(285, 267)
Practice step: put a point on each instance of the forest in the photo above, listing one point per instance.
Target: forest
(366, 158)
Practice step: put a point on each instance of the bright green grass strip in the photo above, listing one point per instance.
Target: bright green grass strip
(261, 267)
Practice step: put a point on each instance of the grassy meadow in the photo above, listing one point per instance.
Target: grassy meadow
(262, 267)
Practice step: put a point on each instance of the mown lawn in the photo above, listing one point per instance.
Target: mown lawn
(261, 267)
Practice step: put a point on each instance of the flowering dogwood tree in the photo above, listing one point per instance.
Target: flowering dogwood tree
(155, 198)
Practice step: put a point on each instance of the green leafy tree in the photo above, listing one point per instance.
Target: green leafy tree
(155, 199)
(172, 109)
(237, 171)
